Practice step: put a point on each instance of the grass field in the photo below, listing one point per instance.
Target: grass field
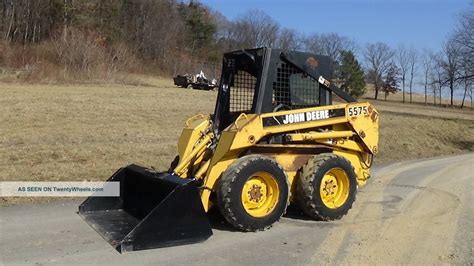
(86, 132)
(419, 98)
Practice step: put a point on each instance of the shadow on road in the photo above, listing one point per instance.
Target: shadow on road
(218, 222)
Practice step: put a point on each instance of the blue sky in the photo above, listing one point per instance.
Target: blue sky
(421, 23)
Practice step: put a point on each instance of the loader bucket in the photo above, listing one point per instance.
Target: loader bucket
(153, 210)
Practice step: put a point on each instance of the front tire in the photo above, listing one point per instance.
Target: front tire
(326, 187)
(253, 193)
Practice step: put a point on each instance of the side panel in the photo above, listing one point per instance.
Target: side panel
(190, 146)
(364, 119)
(191, 133)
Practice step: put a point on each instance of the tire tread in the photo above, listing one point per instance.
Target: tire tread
(224, 191)
(305, 188)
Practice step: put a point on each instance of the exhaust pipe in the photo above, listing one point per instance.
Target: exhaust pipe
(153, 210)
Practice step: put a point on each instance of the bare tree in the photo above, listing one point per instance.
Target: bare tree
(224, 35)
(450, 65)
(464, 39)
(470, 94)
(256, 29)
(289, 39)
(378, 57)
(26, 21)
(146, 26)
(229, 34)
(426, 65)
(467, 83)
(329, 44)
(436, 77)
(412, 59)
(403, 60)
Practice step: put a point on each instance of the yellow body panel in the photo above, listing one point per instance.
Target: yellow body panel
(192, 143)
(366, 125)
(195, 126)
(353, 134)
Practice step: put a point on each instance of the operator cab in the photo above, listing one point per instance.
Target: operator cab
(262, 80)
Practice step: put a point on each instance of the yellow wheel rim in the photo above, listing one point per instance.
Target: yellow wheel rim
(260, 194)
(334, 188)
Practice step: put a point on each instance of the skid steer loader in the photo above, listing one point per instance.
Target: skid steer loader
(274, 138)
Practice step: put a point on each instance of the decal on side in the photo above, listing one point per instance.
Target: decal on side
(302, 117)
(358, 110)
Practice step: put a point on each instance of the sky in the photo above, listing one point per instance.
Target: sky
(421, 23)
(418, 23)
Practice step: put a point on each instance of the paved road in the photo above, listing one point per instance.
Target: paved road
(412, 212)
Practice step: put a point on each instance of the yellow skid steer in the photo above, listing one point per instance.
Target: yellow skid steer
(274, 138)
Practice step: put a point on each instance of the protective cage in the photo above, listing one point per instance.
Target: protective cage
(153, 210)
(262, 81)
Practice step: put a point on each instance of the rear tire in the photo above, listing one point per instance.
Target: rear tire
(253, 193)
(326, 187)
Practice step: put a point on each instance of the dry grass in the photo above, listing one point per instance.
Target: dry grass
(85, 132)
(422, 110)
(418, 99)
(406, 136)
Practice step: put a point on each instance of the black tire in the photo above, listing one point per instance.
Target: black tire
(231, 184)
(309, 181)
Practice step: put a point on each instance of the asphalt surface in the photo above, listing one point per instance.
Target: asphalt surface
(412, 212)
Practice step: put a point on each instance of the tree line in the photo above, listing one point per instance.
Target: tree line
(170, 36)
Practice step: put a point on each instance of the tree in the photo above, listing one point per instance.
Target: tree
(403, 59)
(412, 58)
(427, 65)
(30, 21)
(390, 84)
(200, 26)
(351, 75)
(463, 37)
(450, 65)
(225, 35)
(329, 44)
(256, 29)
(289, 39)
(378, 58)
(467, 84)
(436, 77)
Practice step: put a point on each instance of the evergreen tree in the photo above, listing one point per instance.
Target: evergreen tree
(351, 75)
(390, 84)
(199, 23)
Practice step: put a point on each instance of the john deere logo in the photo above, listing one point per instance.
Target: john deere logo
(312, 62)
(306, 117)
